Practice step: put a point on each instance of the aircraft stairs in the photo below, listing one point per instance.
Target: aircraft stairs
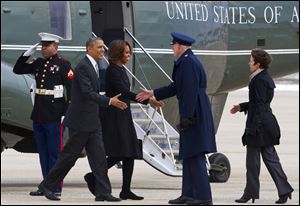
(160, 139)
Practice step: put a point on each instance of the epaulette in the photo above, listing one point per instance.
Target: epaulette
(60, 57)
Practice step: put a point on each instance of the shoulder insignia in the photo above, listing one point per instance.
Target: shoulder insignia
(186, 55)
(70, 74)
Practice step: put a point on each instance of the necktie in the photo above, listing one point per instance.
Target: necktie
(97, 70)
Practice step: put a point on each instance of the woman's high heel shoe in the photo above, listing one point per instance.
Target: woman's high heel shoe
(130, 195)
(283, 198)
(244, 199)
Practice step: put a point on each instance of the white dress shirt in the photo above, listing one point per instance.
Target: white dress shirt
(95, 65)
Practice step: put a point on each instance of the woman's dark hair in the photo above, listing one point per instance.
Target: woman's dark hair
(116, 50)
(262, 57)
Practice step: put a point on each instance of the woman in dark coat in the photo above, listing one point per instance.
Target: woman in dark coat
(119, 135)
(262, 130)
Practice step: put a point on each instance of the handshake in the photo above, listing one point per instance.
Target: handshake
(148, 94)
(155, 103)
(122, 105)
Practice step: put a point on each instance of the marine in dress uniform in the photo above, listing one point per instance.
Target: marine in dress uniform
(197, 134)
(53, 75)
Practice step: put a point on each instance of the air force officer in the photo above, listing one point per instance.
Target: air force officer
(197, 134)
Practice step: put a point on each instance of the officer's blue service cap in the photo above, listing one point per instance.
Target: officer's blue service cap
(182, 39)
(47, 37)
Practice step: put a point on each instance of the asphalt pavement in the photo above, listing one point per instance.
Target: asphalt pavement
(20, 173)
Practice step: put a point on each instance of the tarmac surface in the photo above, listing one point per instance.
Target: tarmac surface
(20, 173)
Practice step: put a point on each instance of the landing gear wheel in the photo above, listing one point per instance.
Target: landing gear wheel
(219, 168)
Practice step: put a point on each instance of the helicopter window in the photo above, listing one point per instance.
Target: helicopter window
(60, 19)
(261, 42)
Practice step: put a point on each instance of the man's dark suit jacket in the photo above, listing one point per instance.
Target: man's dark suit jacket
(83, 112)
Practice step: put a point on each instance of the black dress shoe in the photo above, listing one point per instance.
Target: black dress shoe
(199, 202)
(244, 199)
(108, 198)
(130, 195)
(90, 180)
(36, 193)
(48, 194)
(180, 200)
(283, 198)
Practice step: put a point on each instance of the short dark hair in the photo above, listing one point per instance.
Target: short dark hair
(262, 57)
(116, 50)
(91, 41)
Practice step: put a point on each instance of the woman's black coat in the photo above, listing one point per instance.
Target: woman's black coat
(119, 134)
(262, 128)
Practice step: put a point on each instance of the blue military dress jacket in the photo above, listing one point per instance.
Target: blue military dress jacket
(190, 88)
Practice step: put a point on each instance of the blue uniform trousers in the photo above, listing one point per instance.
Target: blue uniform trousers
(48, 137)
(195, 180)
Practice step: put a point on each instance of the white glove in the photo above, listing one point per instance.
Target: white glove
(31, 50)
(62, 119)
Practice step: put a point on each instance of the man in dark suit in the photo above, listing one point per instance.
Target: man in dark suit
(82, 119)
(197, 134)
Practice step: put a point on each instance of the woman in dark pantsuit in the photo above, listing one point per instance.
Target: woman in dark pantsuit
(262, 130)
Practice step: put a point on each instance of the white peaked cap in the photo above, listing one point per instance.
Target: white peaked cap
(49, 37)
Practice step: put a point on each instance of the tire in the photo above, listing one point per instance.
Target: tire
(219, 168)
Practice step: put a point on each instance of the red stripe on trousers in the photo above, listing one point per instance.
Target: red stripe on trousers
(61, 146)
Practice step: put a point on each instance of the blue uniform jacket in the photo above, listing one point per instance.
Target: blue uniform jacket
(190, 88)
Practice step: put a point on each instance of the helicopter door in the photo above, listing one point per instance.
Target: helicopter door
(107, 20)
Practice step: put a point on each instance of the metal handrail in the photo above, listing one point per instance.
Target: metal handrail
(166, 133)
(151, 120)
(160, 109)
(136, 41)
(148, 128)
(106, 48)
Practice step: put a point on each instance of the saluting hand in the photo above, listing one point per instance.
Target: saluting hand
(235, 109)
(145, 94)
(31, 50)
(117, 103)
